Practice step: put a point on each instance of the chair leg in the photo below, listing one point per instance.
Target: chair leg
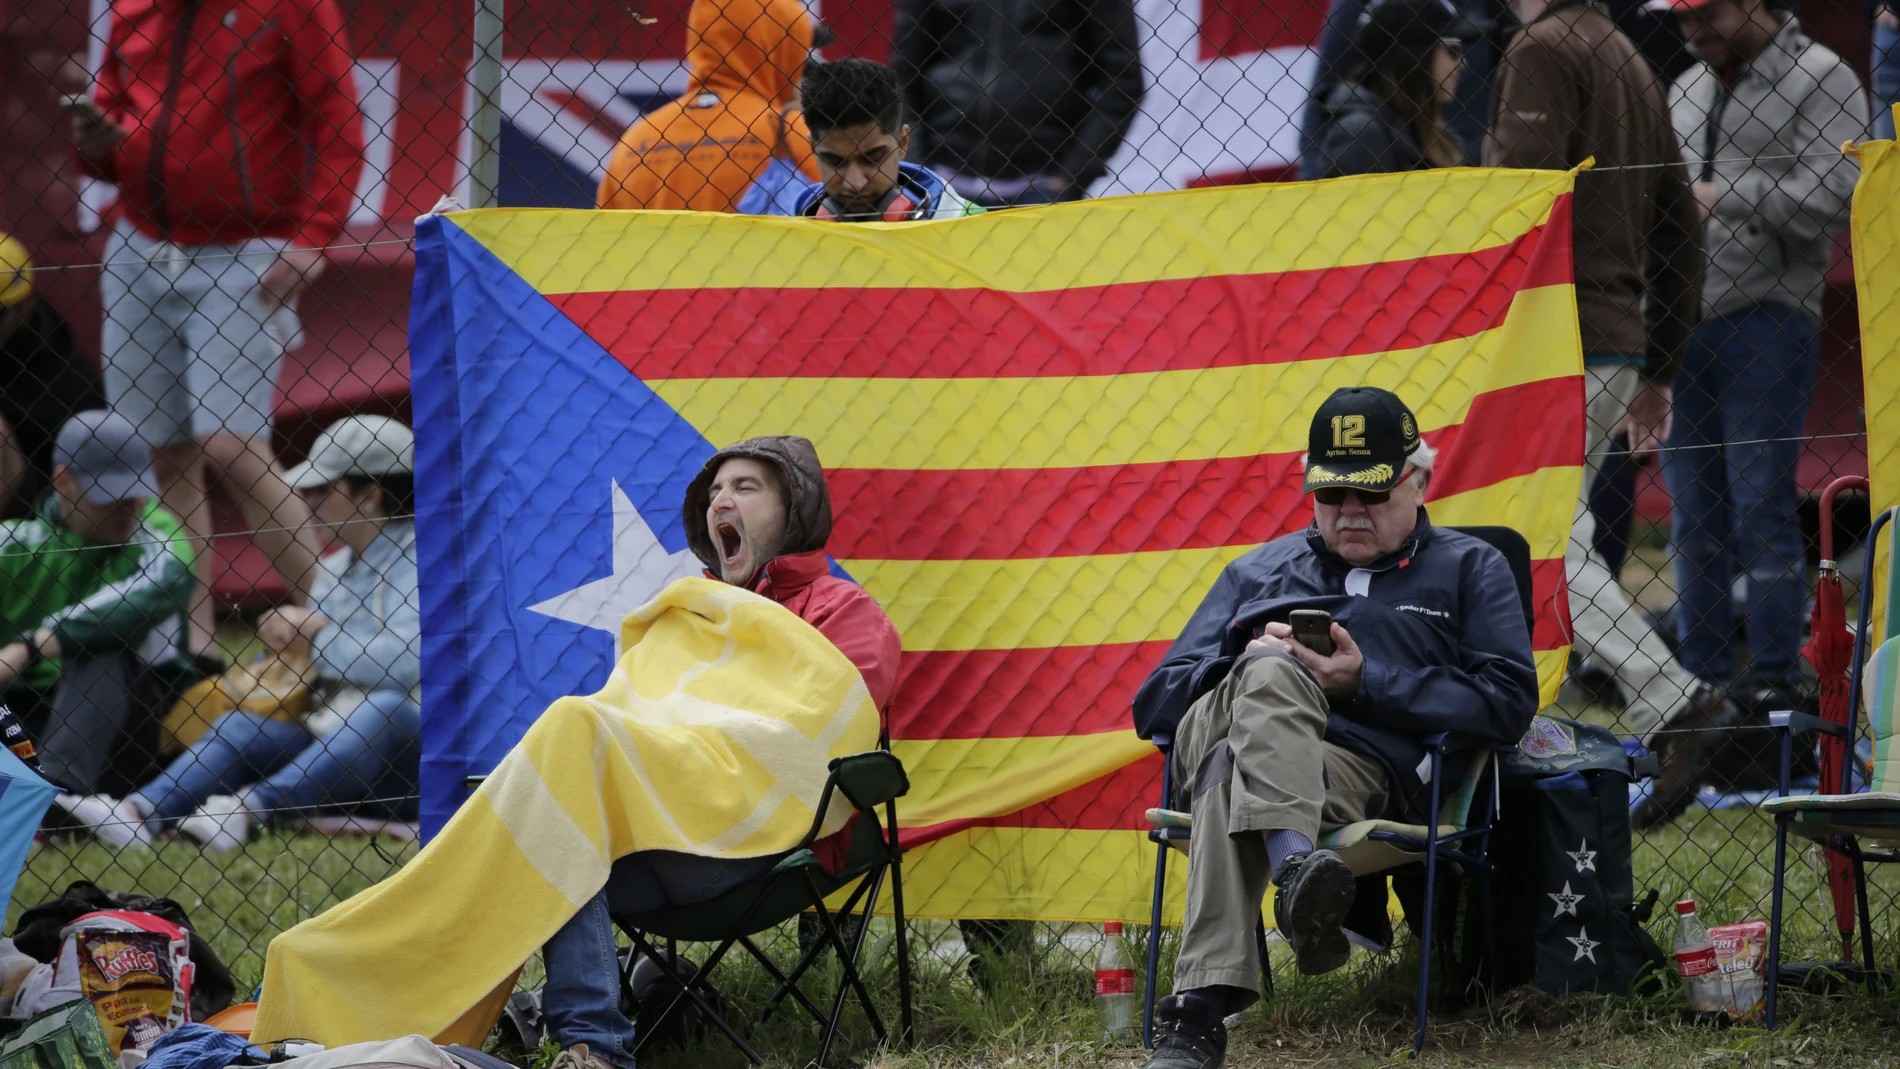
(1866, 921)
(905, 1029)
(1774, 917)
(788, 985)
(1266, 963)
(688, 993)
(850, 965)
(849, 968)
(1431, 903)
(1154, 947)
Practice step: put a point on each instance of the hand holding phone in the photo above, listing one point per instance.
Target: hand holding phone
(93, 131)
(1313, 628)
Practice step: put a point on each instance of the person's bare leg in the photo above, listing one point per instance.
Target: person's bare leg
(180, 470)
(275, 511)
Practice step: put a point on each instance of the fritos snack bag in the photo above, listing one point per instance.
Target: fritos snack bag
(1741, 952)
(134, 968)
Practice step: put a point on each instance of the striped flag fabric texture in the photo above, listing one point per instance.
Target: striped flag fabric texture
(1045, 432)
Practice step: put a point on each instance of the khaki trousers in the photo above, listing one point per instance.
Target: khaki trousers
(1251, 756)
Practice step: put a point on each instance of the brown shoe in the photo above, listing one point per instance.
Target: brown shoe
(1683, 749)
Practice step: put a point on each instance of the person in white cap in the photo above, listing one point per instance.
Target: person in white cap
(92, 595)
(362, 633)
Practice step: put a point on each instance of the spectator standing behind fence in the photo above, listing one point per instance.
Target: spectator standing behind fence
(706, 150)
(1389, 113)
(1762, 119)
(363, 639)
(854, 110)
(232, 130)
(1885, 65)
(43, 383)
(93, 592)
(1019, 101)
(1571, 86)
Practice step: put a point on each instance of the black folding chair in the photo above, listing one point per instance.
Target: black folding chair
(796, 884)
(1384, 846)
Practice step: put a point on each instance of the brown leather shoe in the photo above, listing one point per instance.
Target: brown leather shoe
(1683, 749)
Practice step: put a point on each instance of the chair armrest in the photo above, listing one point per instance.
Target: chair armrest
(870, 779)
(1801, 723)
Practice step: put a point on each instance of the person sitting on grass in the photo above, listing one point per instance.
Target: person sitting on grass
(1274, 741)
(93, 591)
(362, 639)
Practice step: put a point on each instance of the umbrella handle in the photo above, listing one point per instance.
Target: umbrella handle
(1845, 482)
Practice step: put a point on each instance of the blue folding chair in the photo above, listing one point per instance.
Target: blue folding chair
(1459, 832)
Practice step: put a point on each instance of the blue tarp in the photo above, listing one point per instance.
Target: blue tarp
(24, 798)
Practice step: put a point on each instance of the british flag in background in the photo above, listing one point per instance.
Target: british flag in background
(1225, 81)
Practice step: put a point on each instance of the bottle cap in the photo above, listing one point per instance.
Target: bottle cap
(1112, 928)
(1686, 906)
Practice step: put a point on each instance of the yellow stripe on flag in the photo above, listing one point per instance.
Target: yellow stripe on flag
(1083, 421)
(972, 779)
(1158, 236)
(1107, 598)
(1876, 224)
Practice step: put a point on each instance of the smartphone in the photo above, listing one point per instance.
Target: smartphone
(1313, 628)
(77, 102)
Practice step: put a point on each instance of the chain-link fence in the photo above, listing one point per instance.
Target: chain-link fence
(258, 634)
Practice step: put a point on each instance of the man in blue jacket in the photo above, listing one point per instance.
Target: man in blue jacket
(853, 108)
(1274, 741)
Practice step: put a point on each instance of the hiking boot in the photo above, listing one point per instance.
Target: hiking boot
(577, 1057)
(1683, 749)
(1188, 1034)
(1316, 892)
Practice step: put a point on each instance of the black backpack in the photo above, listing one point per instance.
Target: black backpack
(1562, 849)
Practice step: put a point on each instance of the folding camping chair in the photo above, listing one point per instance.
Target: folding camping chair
(1454, 836)
(796, 884)
(1836, 816)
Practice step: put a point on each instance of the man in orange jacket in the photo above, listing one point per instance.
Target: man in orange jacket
(704, 150)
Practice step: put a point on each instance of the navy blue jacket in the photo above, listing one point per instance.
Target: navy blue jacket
(1442, 630)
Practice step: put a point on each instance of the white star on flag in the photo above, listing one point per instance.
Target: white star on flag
(1586, 946)
(1585, 857)
(641, 568)
(1566, 901)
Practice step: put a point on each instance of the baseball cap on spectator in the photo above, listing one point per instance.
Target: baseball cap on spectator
(16, 272)
(367, 446)
(106, 457)
(1386, 24)
(1361, 437)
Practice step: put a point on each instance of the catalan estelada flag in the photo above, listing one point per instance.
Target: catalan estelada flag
(1045, 432)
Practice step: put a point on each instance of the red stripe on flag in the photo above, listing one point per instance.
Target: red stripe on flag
(1115, 802)
(1018, 513)
(994, 694)
(1216, 321)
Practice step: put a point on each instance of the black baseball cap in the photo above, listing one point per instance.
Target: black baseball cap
(1387, 24)
(1360, 438)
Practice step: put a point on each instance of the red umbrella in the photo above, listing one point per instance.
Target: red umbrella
(1831, 650)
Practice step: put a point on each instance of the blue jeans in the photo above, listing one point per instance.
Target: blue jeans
(1746, 376)
(376, 753)
(1886, 78)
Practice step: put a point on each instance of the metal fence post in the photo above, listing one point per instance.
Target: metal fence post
(484, 162)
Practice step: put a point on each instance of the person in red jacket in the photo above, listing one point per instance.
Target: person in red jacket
(758, 516)
(233, 133)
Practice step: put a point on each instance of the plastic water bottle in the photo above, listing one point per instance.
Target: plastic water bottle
(1115, 986)
(1695, 961)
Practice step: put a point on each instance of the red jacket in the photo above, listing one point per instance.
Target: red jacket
(241, 119)
(841, 611)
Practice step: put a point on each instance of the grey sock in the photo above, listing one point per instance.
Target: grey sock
(1283, 843)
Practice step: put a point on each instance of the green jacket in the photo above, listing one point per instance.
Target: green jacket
(95, 598)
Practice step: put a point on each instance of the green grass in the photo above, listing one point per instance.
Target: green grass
(1046, 1019)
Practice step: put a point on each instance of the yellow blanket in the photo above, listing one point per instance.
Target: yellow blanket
(711, 737)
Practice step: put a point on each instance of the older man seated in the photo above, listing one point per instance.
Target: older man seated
(1275, 738)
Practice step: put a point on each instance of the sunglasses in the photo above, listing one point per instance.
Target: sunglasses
(1335, 496)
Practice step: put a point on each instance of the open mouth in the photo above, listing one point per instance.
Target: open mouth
(731, 542)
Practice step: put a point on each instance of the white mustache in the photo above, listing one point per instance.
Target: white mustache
(1355, 523)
